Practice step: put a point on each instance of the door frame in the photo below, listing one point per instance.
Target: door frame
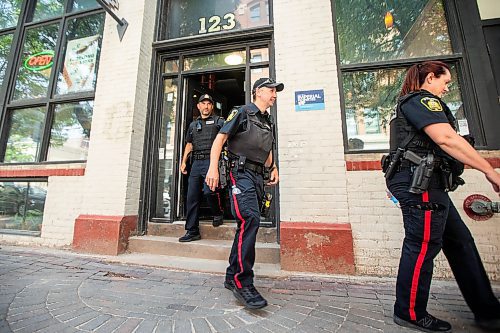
(153, 122)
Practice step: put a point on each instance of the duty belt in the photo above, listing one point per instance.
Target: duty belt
(249, 165)
(201, 155)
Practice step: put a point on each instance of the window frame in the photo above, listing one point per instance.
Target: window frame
(52, 99)
(457, 58)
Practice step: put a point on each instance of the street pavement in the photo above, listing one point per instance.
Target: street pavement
(51, 291)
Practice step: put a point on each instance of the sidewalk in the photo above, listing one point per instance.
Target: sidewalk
(44, 290)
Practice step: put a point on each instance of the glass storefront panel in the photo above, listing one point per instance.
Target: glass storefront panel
(166, 148)
(36, 62)
(215, 60)
(9, 13)
(81, 55)
(379, 30)
(22, 205)
(70, 132)
(370, 101)
(24, 135)
(5, 45)
(259, 55)
(199, 17)
(83, 5)
(46, 9)
(171, 66)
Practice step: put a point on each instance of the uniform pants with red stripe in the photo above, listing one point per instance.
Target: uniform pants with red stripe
(246, 192)
(427, 231)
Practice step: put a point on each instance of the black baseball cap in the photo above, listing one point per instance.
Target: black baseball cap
(267, 82)
(206, 97)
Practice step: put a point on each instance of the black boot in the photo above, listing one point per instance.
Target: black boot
(492, 325)
(218, 220)
(428, 323)
(229, 284)
(189, 237)
(250, 297)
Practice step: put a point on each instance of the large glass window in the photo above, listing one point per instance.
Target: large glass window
(70, 132)
(47, 9)
(83, 5)
(215, 60)
(83, 45)
(9, 13)
(22, 205)
(36, 62)
(25, 135)
(408, 31)
(199, 17)
(5, 45)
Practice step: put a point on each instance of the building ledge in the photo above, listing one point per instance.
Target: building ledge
(42, 170)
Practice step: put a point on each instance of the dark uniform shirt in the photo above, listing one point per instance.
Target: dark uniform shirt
(209, 121)
(237, 119)
(424, 109)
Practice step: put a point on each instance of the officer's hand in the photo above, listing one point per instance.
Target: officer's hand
(212, 178)
(183, 168)
(273, 177)
(494, 178)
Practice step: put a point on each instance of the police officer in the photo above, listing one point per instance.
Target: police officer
(425, 126)
(249, 133)
(201, 134)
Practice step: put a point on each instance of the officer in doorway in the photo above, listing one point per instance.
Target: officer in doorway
(250, 137)
(201, 134)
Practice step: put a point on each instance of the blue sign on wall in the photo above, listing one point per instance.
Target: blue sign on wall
(309, 100)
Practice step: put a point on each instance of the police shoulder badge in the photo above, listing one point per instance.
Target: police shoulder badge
(432, 104)
(231, 115)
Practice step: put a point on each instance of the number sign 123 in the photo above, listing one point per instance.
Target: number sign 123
(216, 23)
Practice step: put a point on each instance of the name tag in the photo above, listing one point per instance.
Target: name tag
(210, 122)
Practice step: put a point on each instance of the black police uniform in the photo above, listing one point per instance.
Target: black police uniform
(431, 221)
(250, 139)
(201, 134)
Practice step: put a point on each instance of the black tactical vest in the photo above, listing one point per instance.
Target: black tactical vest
(204, 134)
(256, 141)
(400, 129)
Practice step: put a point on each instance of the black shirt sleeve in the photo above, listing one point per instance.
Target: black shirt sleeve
(189, 135)
(233, 123)
(423, 110)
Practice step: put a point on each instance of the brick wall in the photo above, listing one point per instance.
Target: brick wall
(311, 152)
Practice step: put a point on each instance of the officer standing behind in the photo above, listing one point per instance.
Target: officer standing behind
(425, 126)
(201, 134)
(250, 136)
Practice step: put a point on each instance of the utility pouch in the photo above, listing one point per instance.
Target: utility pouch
(395, 160)
(223, 171)
(451, 170)
(266, 204)
(241, 163)
(384, 162)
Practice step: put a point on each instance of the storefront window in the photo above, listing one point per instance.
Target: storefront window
(22, 205)
(171, 66)
(70, 132)
(83, 5)
(9, 13)
(200, 17)
(47, 9)
(370, 101)
(5, 45)
(371, 31)
(215, 60)
(24, 135)
(259, 55)
(36, 62)
(83, 45)
(166, 148)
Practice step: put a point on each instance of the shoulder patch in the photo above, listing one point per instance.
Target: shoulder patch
(432, 104)
(231, 115)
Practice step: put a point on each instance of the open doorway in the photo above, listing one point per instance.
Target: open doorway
(227, 88)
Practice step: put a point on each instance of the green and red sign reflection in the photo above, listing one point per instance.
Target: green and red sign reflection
(39, 61)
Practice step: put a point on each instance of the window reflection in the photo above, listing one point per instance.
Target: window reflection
(22, 205)
(36, 62)
(83, 45)
(259, 55)
(46, 9)
(166, 148)
(70, 132)
(5, 44)
(370, 101)
(419, 29)
(215, 60)
(9, 13)
(24, 135)
(83, 5)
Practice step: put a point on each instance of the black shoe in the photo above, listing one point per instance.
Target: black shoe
(250, 297)
(428, 323)
(492, 325)
(189, 237)
(218, 220)
(229, 284)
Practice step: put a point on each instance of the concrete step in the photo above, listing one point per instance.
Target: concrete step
(223, 232)
(203, 249)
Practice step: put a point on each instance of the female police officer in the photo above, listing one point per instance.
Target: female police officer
(425, 126)
(248, 131)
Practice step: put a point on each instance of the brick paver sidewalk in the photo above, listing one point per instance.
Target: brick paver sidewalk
(61, 291)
